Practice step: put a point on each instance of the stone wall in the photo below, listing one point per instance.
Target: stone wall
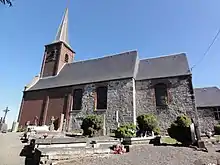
(119, 98)
(180, 99)
(206, 119)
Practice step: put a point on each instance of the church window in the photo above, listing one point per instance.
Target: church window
(101, 97)
(161, 94)
(217, 113)
(77, 99)
(66, 58)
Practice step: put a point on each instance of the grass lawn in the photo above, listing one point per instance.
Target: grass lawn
(168, 140)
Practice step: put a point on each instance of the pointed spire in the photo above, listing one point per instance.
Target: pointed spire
(62, 33)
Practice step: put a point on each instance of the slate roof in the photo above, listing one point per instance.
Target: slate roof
(101, 69)
(120, 66)
(207, 97)
(165, 66)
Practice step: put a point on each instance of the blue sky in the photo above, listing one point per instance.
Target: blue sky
(98, 28)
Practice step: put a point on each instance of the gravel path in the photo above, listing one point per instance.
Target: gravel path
(151, 155)
(10, 149)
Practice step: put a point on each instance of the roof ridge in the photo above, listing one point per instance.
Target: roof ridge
(207, 87)
(164, 56)
(103, 57)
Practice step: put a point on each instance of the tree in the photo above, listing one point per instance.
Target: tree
(6, 2)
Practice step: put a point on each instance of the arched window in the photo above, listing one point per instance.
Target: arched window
(161, 94)
(66, 58)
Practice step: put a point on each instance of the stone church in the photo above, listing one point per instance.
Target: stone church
(120, 87)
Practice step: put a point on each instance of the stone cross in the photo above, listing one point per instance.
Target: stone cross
(104, 126)
(6, 111)
(36, 121)
(52, 123)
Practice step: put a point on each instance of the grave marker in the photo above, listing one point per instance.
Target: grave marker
(51, 128)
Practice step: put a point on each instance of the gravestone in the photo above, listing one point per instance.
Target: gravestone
(104, 126)
(51, 127)
(36, 121)
(4, 128)
(14, 126)
(61, 122)
(27, 124)
(76, 122)
(64, 126)
(193, 134)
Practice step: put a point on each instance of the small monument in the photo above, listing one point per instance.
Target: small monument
(51, 127)
(3, 125)
(193, 134)
(61, 122)
(36, 121)
(14, 126)
(64, 126)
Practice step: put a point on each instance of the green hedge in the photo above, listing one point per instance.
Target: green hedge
(148, 122)
(180, 130)
(126, 130)
(92, 125)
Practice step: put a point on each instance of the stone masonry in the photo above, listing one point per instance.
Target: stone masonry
(119, 98)
(180, 99)
(206, 119)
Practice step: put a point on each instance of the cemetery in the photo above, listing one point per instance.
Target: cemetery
(49, 146)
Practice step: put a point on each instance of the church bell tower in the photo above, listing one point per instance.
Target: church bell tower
(59, 52)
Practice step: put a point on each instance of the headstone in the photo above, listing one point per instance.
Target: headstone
(36, 121)
(104, 127)
(192, 133)
(64, 126)
(201, 144)
(51, 128)
(152, 133)
(117, 119)
(4, 128)
(61, 122)
(14, 126)
(197, 131)
(27, 124)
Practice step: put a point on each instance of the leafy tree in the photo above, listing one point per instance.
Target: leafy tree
(6, 2)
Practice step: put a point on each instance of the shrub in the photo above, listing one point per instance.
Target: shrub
(180, 130)
(127, 130)
(156, 131)
(217, 129)
(148, 122)
(92, 125)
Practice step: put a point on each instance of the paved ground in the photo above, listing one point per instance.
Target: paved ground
(149, 155)
(152, 155)
(10, 149)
